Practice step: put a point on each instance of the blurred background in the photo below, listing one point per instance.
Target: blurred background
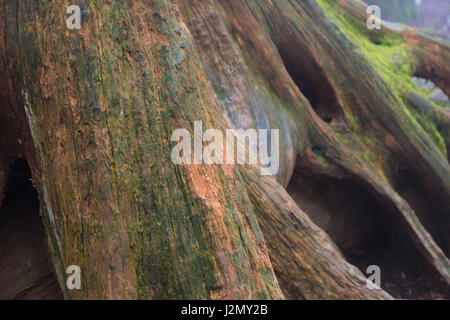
(430, 16)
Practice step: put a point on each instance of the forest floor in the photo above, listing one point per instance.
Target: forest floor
(402, 280)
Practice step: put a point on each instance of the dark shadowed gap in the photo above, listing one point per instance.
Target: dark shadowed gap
(25, 271)
(431, 217)
(313, 83)
(367, 234)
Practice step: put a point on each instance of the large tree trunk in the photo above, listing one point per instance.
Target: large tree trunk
(363, 154)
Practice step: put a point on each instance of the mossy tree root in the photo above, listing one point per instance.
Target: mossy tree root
(93, 111)
(369, 137)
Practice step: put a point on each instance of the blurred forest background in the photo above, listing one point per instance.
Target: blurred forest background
(431, 16)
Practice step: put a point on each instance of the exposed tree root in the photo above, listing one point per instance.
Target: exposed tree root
(302, 253)
(141, 227)
(340, 88)
(439, 116)
(430, 59)
(138, 225)
(408, 147)
(429, 215)
(364, 229)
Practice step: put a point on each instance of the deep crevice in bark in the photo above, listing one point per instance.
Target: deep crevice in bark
(361, 226)
(314, 85)
(25, 270)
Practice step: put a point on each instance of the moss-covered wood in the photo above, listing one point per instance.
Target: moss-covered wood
(101, 105)
(339, 93)
(93, 111)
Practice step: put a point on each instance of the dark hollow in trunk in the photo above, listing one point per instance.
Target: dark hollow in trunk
(314, 85)
(25, 271)
(363, 229)
(93, 112)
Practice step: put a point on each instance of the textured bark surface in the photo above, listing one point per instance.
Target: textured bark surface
(93, 111)
(347, 123)
(137, 225)
(307, 263)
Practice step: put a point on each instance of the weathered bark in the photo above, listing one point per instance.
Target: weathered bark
(92, 111)
(410, 146)
(257, 72)
(438, 116)
(430, 59)
(137, 225)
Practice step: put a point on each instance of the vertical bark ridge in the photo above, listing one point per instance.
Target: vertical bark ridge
(138, 225)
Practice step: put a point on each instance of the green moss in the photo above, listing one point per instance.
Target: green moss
(428, 124)
(388, 55)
